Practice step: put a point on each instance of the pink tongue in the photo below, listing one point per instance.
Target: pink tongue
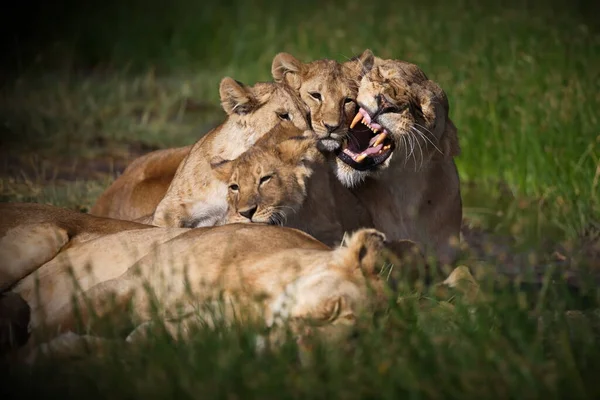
(373, 150)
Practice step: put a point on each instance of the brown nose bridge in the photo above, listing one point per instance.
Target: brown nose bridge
(247, 201)
(333, 115)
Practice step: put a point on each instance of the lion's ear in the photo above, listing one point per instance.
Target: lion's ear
(434, 107)
(362, 249)
(298, 150)
(287, 69)
(221, 168)
(236, 97)
(360, 65)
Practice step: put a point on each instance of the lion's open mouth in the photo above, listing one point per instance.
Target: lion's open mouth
(367, 144)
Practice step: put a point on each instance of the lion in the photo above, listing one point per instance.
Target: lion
(32, 234)
(284, 179)
(251, 112)
(328, 88)
(281, 274)
(268, 182)
(398, 158)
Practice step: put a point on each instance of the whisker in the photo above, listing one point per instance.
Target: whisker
(426, 138)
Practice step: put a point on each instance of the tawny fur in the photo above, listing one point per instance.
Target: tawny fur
(195, 198)
(141, 186)
(328, 88)
(251, 111)
(414, 194)
(284, 179)
(32, 234)
(283, 274)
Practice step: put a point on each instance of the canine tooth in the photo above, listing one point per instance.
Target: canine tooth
(360, 157)
(380, 139)
(357, 118)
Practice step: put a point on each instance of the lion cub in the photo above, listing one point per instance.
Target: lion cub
(268, 182)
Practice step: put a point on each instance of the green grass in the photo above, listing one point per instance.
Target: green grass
(523, 83)
(421, 347)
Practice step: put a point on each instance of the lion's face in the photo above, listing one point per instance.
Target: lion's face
(268, 182)
(329, 90)
(402, 119)
(261, 107)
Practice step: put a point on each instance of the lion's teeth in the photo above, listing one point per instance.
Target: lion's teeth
(375, 130)
(364, 121)
(357, 118)
(379, 139)
(387, 147)
(360, 157)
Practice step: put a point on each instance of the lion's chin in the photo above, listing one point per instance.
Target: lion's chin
(367, 145)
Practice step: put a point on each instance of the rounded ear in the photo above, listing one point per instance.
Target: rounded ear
(287, 69)
(363, 249)
(360, 65)
(434, 106)
(236, 97)
(221, 168)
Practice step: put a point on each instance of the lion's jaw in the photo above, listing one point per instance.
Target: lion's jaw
(398, 125)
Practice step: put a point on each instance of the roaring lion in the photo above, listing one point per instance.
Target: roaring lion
(275, 274)
(251, 112)
(399, 157)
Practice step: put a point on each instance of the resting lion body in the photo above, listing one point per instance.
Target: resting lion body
(142, 185)
(251, 112)
(282, 274)
(32, 234)
(399, 158)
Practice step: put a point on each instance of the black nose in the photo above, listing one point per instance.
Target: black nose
(248, 212)
(331, 128)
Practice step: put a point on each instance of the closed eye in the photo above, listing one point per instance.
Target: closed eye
(265, 179)
(284, 116)
(316, 95)
(394, 108)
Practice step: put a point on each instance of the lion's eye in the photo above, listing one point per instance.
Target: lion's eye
(233, 187)
(265, 179)
(316, 95)
(284, 116)
(348, 100)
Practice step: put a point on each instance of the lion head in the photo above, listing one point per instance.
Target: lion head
(268, 182)
(260, 107)
(402, 120)
(329, 90)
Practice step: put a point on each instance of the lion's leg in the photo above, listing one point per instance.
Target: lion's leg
(25, 248)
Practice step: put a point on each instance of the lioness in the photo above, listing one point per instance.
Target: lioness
(271, 273)
(251, 112)
(398, 157)
(298, 277)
